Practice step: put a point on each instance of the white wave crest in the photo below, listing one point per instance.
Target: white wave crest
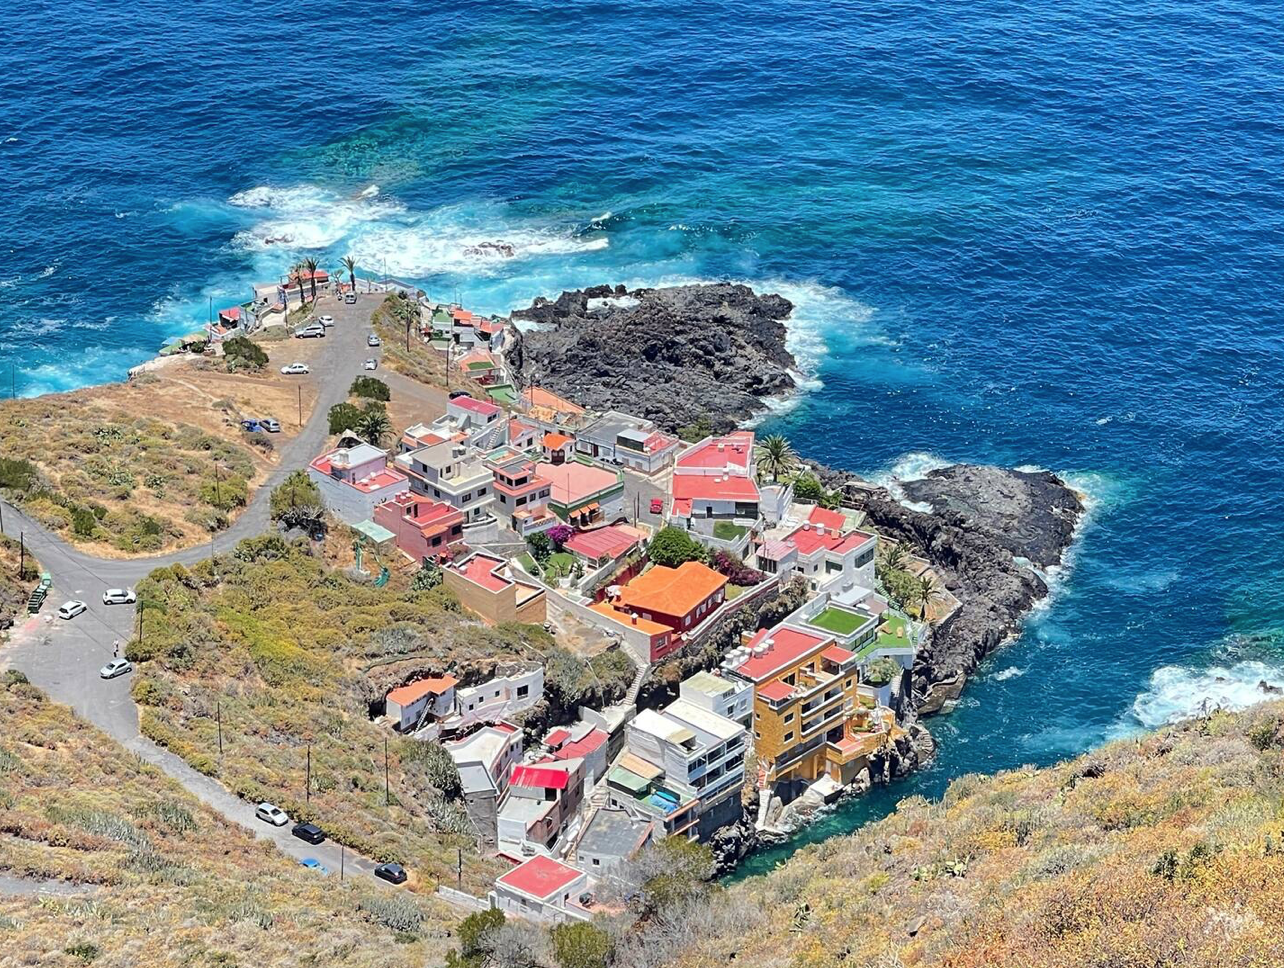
(1011, 672)
(1180, 692)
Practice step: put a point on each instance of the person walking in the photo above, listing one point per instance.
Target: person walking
(115, 649)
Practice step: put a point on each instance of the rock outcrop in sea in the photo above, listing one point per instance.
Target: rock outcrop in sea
(672, 355)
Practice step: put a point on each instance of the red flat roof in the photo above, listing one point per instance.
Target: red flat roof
(592, 740)
(609, 541)
(710, 487)
(836, 653)
(424, 687)
(541, 776)
(776, 691)
(787, 647)
(540, 877)
(808, 540)
(475, 406)
(557, 737)
(736, 451)
(480, 569)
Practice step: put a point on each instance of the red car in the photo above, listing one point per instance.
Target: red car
(657, 505)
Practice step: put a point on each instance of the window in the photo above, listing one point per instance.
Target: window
(789, 718)
(789, 736)
(596, 862)
(436, 492)
(848, 683)
(523, 691)
(466, 498)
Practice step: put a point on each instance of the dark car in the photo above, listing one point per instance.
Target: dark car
(456, 394)
(309, 832)
(392, 873)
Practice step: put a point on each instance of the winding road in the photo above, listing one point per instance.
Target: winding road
(63, 657)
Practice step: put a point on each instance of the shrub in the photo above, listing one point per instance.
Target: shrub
(240, 352)
(18, 475)
(296, 501)
(83, 522)
(672, 546)
(395, 911)
(580, 945)
(370, 388)
(437, 766)
(559, 534)
(737, 572)
(426, 578)
(225, 493)
(541, 547)
(807, 487)
(882, 671)
(474, 929)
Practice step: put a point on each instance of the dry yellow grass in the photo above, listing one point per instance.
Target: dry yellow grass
(1162, 851)
(174, 883)
(138, 454)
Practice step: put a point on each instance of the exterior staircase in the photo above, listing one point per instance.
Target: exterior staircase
(635, 687)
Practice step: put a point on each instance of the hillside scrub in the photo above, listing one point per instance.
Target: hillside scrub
(292, 655)
(106, 478)
(420, 362)
(1164, 850)
(166, 874)
(15, 588)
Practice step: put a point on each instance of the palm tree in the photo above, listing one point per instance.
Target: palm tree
(925, 592)
(350, 264)
(894, 556)
(776, 456)
(373, 426)
(310, 265)
(298, 270)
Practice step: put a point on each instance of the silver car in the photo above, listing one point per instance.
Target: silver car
(71, 609)
(114, 668)
(271, 813)
(119, 596)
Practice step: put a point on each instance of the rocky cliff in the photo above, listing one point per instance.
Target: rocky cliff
(991, 535)
(672, 355)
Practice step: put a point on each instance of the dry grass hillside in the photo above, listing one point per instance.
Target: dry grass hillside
(173, 883)
(144, 466)
(291, 654)
(14, 587)
(1162, 851)
(420, 361)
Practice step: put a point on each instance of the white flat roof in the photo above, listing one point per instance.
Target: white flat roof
(702, 719)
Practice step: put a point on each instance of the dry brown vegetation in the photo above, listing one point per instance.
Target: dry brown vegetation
(174, 882)
(289, 652)
(14, 587)
(1162, 851)
(421, 362)
(130, 468)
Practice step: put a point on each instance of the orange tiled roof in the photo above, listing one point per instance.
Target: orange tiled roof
(553, 441)
(417, 690)
(672, 591)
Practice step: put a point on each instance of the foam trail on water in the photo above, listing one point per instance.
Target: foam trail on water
(1180, 692)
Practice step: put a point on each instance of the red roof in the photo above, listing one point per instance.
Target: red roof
(733, 450)
(592, 740)
(480, 570)
(424, 687)
(776, 691)
(836, 653)
(788, 646)
(233, 313)
(540, 877)
(473, 405)
(720, 487)
(809, 540)
(608, 542)
(557, 737)
(541, 776)
(831, 520)
(556, 441)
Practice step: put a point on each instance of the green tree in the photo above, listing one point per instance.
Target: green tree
(672, 546)
(807, 488)
(776, 456)
(310, 265)
(540, 545)
(350, 264)
(344, 416)
(370, 388)
(928, 591)
(298, 271)
(374, 426)
(296, 501)
(671, 872)
(224, 491)
(473, 933)
(699, 430)
(581, 945)
(881, 671)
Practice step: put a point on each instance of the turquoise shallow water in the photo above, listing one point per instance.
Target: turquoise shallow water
(1013, 234)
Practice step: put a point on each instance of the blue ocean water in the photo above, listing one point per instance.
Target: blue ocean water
(1013, 233)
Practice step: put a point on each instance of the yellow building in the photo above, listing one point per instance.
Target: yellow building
(808, 720)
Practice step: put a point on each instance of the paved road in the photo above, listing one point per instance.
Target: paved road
(63, 657)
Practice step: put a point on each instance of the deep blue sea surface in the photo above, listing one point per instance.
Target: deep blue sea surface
(1023, 233)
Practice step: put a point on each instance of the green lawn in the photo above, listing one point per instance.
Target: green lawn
(727, 531)
(527, 562)
(839, 621)
(734, 591)
(560, 564)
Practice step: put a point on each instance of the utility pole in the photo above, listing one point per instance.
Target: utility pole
(387, 800)
(22, 554)
(340, 863)
(300, 406)
(459, 867)
(308, 794)
(140, 620)
(218, 500)
(219, 712)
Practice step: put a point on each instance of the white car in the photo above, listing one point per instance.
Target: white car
(372, 364)
(114, 668)
(325, 320)
(71, 609)
(271, 813)
(313, 331)
(119, 596)
(293, 369)
(373, 340)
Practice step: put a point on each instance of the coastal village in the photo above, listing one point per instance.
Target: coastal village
(613, 534)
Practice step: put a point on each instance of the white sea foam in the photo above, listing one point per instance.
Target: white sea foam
(48, 271)
(1011, 672)
(1179, 692)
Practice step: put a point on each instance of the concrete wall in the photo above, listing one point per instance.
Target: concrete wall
(496, 607)
(351, 505)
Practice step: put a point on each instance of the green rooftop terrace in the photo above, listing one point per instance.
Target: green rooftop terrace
(840, 621)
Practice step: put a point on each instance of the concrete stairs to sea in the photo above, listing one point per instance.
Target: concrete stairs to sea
(635, 687)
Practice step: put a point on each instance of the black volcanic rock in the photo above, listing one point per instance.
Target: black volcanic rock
(983, 519)
(671, 355)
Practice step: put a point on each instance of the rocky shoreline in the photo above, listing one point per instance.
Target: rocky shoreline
(718, 351)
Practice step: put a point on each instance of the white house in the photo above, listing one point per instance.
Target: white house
(542, 889)
(502, 697)
(730, 698)
(418, 702)
(353, 480)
